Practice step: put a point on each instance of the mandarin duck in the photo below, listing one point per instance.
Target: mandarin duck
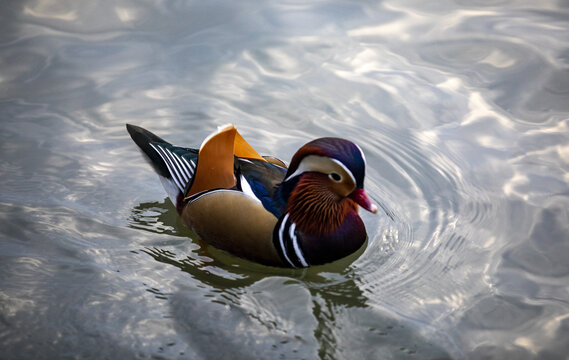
(257, 207)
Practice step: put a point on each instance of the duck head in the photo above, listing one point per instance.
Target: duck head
(325, 182)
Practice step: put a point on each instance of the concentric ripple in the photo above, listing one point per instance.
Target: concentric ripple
(430, 258)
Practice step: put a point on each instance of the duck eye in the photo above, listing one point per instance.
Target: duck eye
(335, 176)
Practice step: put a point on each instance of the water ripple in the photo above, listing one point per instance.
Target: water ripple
(460, 107)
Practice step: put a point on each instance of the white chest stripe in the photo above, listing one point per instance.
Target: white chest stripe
(297, 250)
(281, 240)
(292, 254)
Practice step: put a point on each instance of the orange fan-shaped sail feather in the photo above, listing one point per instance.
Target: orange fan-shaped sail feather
(216, 158)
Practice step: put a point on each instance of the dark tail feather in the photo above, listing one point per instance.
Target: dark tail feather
(175, 165)
(143, 138)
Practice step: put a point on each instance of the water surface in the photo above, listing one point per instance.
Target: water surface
(462, 110)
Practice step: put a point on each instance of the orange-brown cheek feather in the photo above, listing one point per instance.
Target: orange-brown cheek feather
(315, 208)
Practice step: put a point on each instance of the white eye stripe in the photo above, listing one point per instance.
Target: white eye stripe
(345, 169)
(362, 154)
(297, 172)
(318, 164)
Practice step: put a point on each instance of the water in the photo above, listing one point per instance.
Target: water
(462, 109)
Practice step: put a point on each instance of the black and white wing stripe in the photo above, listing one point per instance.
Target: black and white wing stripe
(181, 169)
(286, 241)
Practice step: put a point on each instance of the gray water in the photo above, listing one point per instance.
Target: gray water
(462, 110)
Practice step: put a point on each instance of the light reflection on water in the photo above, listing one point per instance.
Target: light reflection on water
(462, 112)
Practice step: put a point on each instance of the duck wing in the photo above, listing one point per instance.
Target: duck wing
(260, 179)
